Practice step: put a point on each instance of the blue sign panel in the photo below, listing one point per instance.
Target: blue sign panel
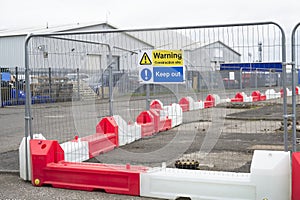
(168, 74)
(5, 76)
(146, 74)
(265, 67)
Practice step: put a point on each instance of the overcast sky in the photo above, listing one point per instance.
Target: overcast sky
(141, 13)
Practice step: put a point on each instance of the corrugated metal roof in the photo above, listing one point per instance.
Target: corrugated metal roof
(50, 29)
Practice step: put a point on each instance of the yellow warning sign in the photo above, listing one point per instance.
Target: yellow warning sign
(167, 57)
(145, 60)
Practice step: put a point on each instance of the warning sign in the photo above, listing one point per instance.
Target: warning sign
(145, 60)
(167, 58)
(161, 66)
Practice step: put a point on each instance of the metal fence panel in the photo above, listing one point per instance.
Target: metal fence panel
(71, 91)
(295, 83)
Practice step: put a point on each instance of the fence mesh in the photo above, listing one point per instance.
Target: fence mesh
(69, 82)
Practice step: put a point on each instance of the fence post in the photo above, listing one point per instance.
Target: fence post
(1, 89)
(78, 84)
(241, 78)
(50, 83)
(17, 85)
(294, 87)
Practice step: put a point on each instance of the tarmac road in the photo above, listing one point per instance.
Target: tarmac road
(12, 186)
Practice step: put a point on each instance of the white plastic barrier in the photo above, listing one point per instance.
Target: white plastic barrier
(269, 179)
(271, 94)
(195, 105)
(288, 92)
(128, 133)
(247, 98)
(22, 156)
(191, 103)
(271, 174)
(174, 112)
(225, 100)
(76, 151)
(217, 99)
(198, 105)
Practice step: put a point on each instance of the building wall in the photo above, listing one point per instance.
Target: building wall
(12, 51)
(209, 57)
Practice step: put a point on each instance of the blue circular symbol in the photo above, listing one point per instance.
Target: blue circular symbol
(146, 74)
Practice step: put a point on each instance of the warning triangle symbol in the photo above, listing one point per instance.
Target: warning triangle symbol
(145, 60)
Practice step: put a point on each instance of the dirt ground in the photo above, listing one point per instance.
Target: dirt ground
(230, 150)
(244, 128)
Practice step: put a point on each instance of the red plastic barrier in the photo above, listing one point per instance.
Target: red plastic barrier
(281, 92)
(49, 168)
(105, 139)
(107, 125)
(160, 124)
(146, 120)
(238, 97)
(209, 101)
(263, 97)
(296, 176)
(101, 143)
(257, 96)
(297, 90)
(155, 104)
(184, 104)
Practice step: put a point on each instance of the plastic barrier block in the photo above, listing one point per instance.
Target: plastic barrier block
(174, 112)
(256, 95)
(76, 150)
(198, 105)
(271, 174)
(271, 94)
(159, 123)
(170, 183)
(296, 176)
(297, 90)
(288, 92)
(191, 103)
(156, 104)
(184, 104)
(107, 125)
(239, 97)
(127, 132)
(100, 143)
(146, 120)
(208, 104)
(269, 179)
(49, 168)
(210, 99)
(236, 100)
(263, 97)
(217, 99)
(25, 171)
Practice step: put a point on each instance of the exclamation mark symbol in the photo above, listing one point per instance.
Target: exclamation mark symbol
(146, 74)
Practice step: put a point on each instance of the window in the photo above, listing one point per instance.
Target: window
(116, 63)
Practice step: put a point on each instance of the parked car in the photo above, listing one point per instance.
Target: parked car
(74, 76)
